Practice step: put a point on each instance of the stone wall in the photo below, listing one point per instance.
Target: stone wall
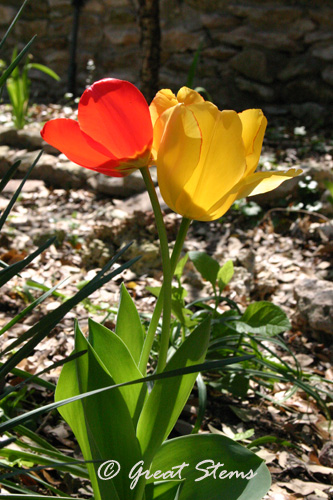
(254, 52)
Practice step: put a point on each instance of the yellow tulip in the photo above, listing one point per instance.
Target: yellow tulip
(206, 158)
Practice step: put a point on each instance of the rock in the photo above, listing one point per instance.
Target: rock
(315, 305)
(253, 64)
(307, 89)
(264, 92)
(218, 53)
(324, 52)
(5, 161)
(30, 186)
(30, 139)
(327, 75)
(180, 40)
(298, 67)
(8, 136)
(122, 36)
(119, 187)
(140, 202)
(326, 454)
(7, 14)
(310, 113)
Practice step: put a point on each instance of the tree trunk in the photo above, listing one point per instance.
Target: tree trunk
(150, 44)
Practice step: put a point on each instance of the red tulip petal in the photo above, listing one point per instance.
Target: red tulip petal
(116, 115)
(65, 135)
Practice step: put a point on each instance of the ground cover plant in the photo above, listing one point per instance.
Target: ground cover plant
(123, 388)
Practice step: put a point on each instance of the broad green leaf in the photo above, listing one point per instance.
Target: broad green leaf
(168, 397)
(129, 327)
(239, 474)
(120, 365)
(264, 318)
(166, 490)
(206, 265)
(225, 274)
(102, 424)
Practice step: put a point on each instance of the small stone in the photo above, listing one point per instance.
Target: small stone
(324, 52)
(262, 91)
(253, 64)
(315, 305)
(327, 75)
(326, 454)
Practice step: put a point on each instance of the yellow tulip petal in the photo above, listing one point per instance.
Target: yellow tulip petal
(163, 100)
(188, 96)
(262, 182)
(222, 159)
(254, 125)
(178, 153)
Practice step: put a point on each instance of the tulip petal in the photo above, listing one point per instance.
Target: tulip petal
(163, 100)
(178, 153)
(115, 113)
(188, 96)
(65, 135)
(222, 159)
(254, 125)
(262, 182)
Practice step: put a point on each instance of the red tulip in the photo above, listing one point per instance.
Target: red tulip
(113, 134)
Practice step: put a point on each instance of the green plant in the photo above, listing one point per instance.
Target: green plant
(255, 332)
(18, 88)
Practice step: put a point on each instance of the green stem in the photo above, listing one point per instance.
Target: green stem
(167, 276)
(185, 224)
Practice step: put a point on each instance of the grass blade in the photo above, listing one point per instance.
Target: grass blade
(13, 65)
(12, 24)
(10, 271)
(48, 322)
(17, 192)
(9, 174)
(207, 366)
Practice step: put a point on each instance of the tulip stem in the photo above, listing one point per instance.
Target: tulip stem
(166, 264)
(159, 303)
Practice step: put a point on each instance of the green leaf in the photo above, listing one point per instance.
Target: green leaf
(13, 65)
(8, 272)
(180, 266)
(9, 174)
(250, 482)
(33, 497)
(43, 327)
(202, 367)
(12, 24)
(168, 397)
(193, 67)
(129, 327)
(5, 213)
(264, 318)
(120, 365)
(206, 265)
(44, 69)
(225, 274)
(167, 490)
(102, 424)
